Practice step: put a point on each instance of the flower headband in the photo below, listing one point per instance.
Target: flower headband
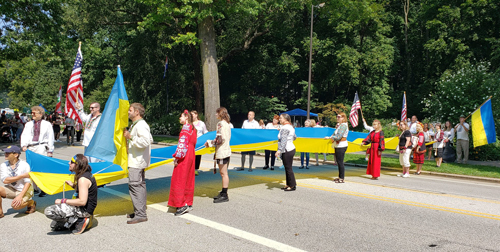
(186, 111)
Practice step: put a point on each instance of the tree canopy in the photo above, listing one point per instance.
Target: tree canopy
(378, 48)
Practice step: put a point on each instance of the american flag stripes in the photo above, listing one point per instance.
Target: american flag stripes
(403, 110)
(353, 116)
(74, 92)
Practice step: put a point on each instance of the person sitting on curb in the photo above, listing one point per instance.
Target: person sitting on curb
(14, 173)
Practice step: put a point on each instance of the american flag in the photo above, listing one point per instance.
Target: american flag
(75, 88)
(353, 116)
(403, 110)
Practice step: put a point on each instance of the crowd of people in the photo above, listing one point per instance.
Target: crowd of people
(76, 214)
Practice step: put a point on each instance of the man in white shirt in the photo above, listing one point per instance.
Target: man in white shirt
(413, 125)
(248, 124)
(462, 130)
(139, 157)
(14, 173)
(91, 121)
(38, 136)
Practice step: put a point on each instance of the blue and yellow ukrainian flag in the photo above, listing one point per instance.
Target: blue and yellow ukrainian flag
(483, 125)
(108, 142)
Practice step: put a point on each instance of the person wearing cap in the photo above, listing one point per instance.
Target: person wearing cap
(139, 157)
(462, 130)
(14, 173)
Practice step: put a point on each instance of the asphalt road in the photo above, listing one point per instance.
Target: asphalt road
(420, 213)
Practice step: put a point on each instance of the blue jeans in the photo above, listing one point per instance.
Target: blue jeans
(302, 159)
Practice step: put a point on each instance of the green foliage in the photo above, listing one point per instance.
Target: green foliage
(461, 92)
(166, 125)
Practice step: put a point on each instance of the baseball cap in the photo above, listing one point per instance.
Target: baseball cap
(12, 149)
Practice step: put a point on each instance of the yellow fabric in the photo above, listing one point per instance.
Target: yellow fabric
(121, 122)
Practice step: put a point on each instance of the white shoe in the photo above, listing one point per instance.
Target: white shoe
(407, 175)
(400, 175)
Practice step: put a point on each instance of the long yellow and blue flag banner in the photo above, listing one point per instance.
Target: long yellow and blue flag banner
(50, 173)
(483, 125)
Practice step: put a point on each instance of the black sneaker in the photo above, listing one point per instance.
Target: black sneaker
(81, 225)
(42, 194)
(272, 168)
(265, 167)
(222, 198)
(182, 210)
(302, 167)
(218, 196)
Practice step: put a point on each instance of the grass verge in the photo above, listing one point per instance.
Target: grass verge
(162, 139)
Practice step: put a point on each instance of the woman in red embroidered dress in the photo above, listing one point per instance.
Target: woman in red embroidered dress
(376, 138)
(420, 149)
(182, 183)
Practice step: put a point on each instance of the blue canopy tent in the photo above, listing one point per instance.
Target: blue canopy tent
(298, 112)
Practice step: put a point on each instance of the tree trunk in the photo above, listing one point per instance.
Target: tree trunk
(210, 71)
(197, 78)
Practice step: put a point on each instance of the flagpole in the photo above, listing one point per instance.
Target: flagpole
(360, 110)
(478, 108)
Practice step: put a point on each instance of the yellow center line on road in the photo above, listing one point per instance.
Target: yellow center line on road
(399, 188)
(387, 199)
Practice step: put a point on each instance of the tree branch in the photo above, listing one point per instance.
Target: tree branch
(246, 45)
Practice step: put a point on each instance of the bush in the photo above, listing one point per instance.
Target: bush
(485, 152)
(166, 125)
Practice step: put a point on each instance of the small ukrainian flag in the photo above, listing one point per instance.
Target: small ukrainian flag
(483, 125)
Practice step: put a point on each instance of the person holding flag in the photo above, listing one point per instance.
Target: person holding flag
(91, 121)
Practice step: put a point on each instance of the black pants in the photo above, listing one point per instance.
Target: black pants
(79, 135)
(71, 134)
(197, 162)
(273, 157)
(287, 162)
(339, 158)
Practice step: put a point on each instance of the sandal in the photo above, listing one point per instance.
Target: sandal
(285, 187)
(339, 181)
(374, 178)
(417, 173)
(1, 215)
(336, 180)
(31, 209)
(289, 189)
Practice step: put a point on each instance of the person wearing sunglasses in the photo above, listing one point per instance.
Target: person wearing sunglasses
(14, 174)
(91, 121)
(76, 214)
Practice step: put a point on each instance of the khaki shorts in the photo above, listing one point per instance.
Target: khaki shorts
(404, 158)
(11, 193)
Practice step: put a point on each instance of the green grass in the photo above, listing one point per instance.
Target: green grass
(160, 139)
(430, 165)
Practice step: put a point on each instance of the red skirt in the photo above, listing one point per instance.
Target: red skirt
(418, 158)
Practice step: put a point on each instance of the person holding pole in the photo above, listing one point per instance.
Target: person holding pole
(462, 130)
